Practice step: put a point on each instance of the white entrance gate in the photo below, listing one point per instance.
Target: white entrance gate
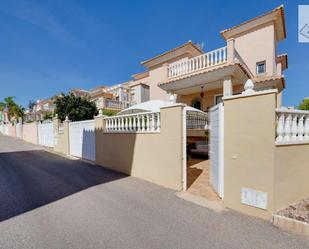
(217, 148)
(82, 139)
(46, 133)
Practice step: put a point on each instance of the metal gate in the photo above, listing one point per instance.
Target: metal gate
(82, 139)
(217, 148)
(18, 130)
(46, 134)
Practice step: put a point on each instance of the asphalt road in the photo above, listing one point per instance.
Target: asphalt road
(47, 201)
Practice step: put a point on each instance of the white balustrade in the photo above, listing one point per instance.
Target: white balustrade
(131, 123)
(292, 126)
(186, 66)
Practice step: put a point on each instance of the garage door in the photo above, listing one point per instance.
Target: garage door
(82, 139)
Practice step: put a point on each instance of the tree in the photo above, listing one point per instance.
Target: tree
(76, 108)
(31, 104)
(304, 105)
(14, 110)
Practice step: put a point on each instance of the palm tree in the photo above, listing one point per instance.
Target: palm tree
(14, 110)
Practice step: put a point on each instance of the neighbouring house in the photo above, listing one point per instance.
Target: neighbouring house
(116, 97)
(40, 110)
(4, 116)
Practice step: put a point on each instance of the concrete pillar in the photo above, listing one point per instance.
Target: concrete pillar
(230, 50)
(55, 126)
(66, 138)
(227, 86)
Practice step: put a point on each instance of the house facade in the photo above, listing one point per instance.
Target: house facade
(189, 75)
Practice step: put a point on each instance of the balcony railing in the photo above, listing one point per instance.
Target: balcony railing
(116, 104)
(197, 63)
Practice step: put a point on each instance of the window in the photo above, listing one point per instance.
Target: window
(218, 99)
(260, 67)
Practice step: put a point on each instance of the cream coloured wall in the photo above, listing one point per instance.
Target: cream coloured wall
(12, 130)
(155, 157)
(156, 76)
(249, 153)
(30, 132)
(258, 45)
(62, 144)
(291, 174)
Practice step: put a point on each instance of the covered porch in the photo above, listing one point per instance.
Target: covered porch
(205, 89)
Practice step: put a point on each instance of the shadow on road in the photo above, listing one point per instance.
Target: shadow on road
(30, 179)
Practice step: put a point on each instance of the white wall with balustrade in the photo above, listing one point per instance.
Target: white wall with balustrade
(141, 122)
(292, 126)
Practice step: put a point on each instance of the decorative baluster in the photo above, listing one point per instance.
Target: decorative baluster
(122, 124)
(306, 131)
(216, 57)
(143, 122)
(211, 59)
(287, 128)
(110, 124)
(138, 123)
(220, 55)
(134, 123)
(106, 124)
(280, 128)
(148, 123)
(130, 123)
(294, 128)
(152, 122)
(158, 122)
(117, 124)
(300, 128)
(203, 61)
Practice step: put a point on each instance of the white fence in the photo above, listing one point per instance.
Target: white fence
(186, 66)
(82, 139)
(19, 128)
(141, 122)
(46, 134)
(292, 126)
(217, 148)
(6, 129)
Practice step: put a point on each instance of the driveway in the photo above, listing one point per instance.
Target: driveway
(48, 201)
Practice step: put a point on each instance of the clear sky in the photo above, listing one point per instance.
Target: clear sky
(47, 47)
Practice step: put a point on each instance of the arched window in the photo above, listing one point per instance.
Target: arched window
(197, 104)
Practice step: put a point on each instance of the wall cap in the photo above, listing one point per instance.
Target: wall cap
(173, 105)
(253, 94)
(289, 143)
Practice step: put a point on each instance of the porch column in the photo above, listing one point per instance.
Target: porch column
(227, 86)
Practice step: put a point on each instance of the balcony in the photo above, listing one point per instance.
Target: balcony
(195, 64)
(116, 104)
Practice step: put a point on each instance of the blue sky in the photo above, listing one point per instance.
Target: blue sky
(47, 47)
